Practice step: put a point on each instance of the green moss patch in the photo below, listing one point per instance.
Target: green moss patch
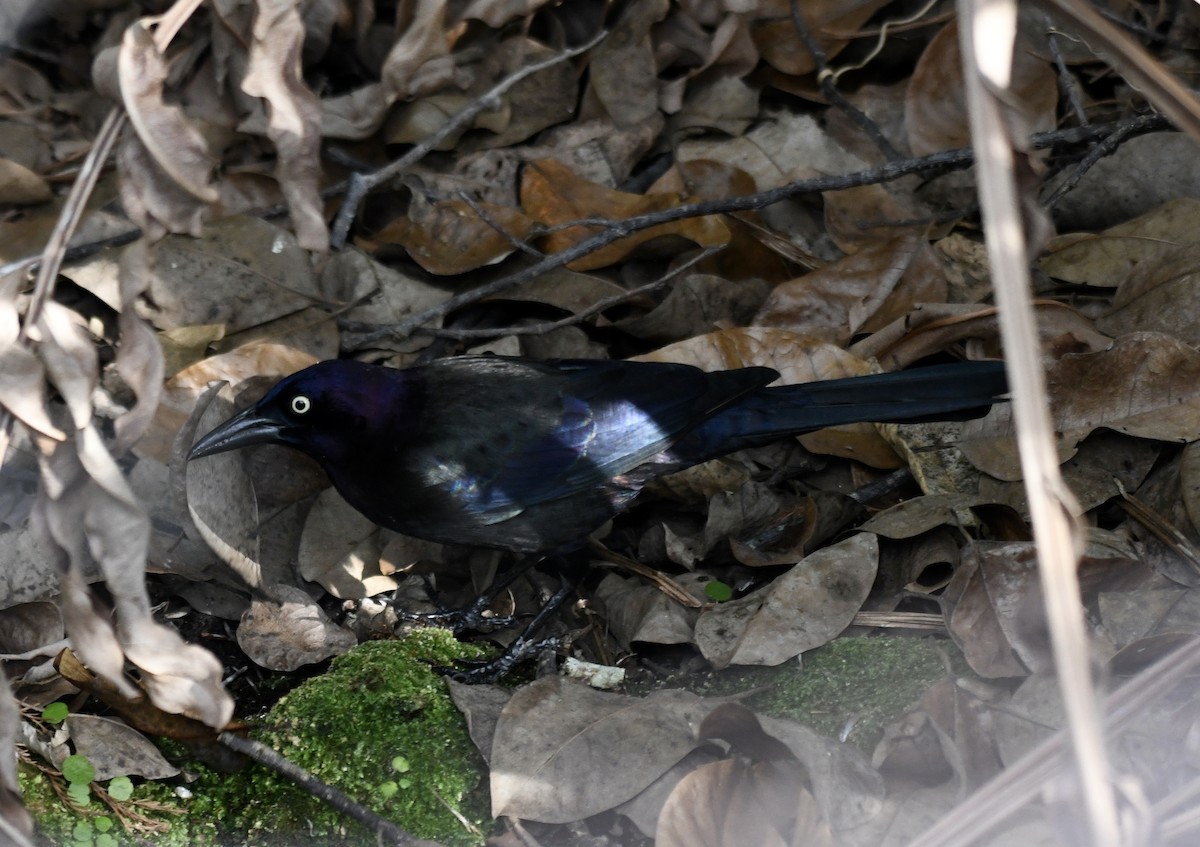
(379, 726)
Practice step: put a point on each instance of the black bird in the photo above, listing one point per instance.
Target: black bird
(532, 456)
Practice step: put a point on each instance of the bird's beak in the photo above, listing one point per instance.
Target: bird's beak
(250, 427)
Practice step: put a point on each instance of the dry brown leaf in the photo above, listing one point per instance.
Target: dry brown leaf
(20, 186)
(863, 291)
(563, 751)
(731, 803)
(220, 496)
(294, 121)
(1142, 174)
(251, 272)
(829, 21)
(805, 608)
(553, 195)
(449, 237)
(1107, 258)
(921, 514)
(536, 102)
(1143, 385)
(22, 382)
(1157, 296)
(290, 631)
(133, 707)
(870, 214)
(936, 110)
(949, 734)
(26, 626)
(340, 549)
(170, 138)
(115, 749)
(139, 356)
(993, 610)
(623, 73)
(697, 303)
(640, 613)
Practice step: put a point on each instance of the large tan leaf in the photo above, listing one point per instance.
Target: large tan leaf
(803, 609)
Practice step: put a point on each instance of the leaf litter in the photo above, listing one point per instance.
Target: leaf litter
(681, 103)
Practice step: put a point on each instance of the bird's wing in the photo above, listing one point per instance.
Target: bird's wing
(526, 433)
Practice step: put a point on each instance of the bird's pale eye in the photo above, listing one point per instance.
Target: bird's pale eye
(301, 404)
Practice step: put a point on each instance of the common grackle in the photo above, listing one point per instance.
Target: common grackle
(533, 456)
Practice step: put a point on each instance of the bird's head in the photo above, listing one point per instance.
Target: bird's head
(319, 410)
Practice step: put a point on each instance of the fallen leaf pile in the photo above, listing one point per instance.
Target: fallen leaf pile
(726, 184)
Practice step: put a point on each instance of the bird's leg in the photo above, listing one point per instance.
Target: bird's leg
(571, 569)
(472, 616)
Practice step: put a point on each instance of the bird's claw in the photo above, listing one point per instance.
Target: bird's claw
(484, 671)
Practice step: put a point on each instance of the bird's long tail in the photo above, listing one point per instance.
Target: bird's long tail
(951, 392)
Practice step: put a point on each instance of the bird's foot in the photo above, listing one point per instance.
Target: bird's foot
(476, 672)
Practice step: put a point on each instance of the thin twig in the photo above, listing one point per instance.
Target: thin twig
(517, 243)
(579, 317)
(1106, 147)
(361, 184)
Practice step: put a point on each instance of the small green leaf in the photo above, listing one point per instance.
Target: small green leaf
(55, 713)
(103, 823)
(388, 790)
(80, 793)
(120, 788)
(107, 839)
(406, 783)
(401, 765)
(718, 591)
(83, 831)
(78, 769)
